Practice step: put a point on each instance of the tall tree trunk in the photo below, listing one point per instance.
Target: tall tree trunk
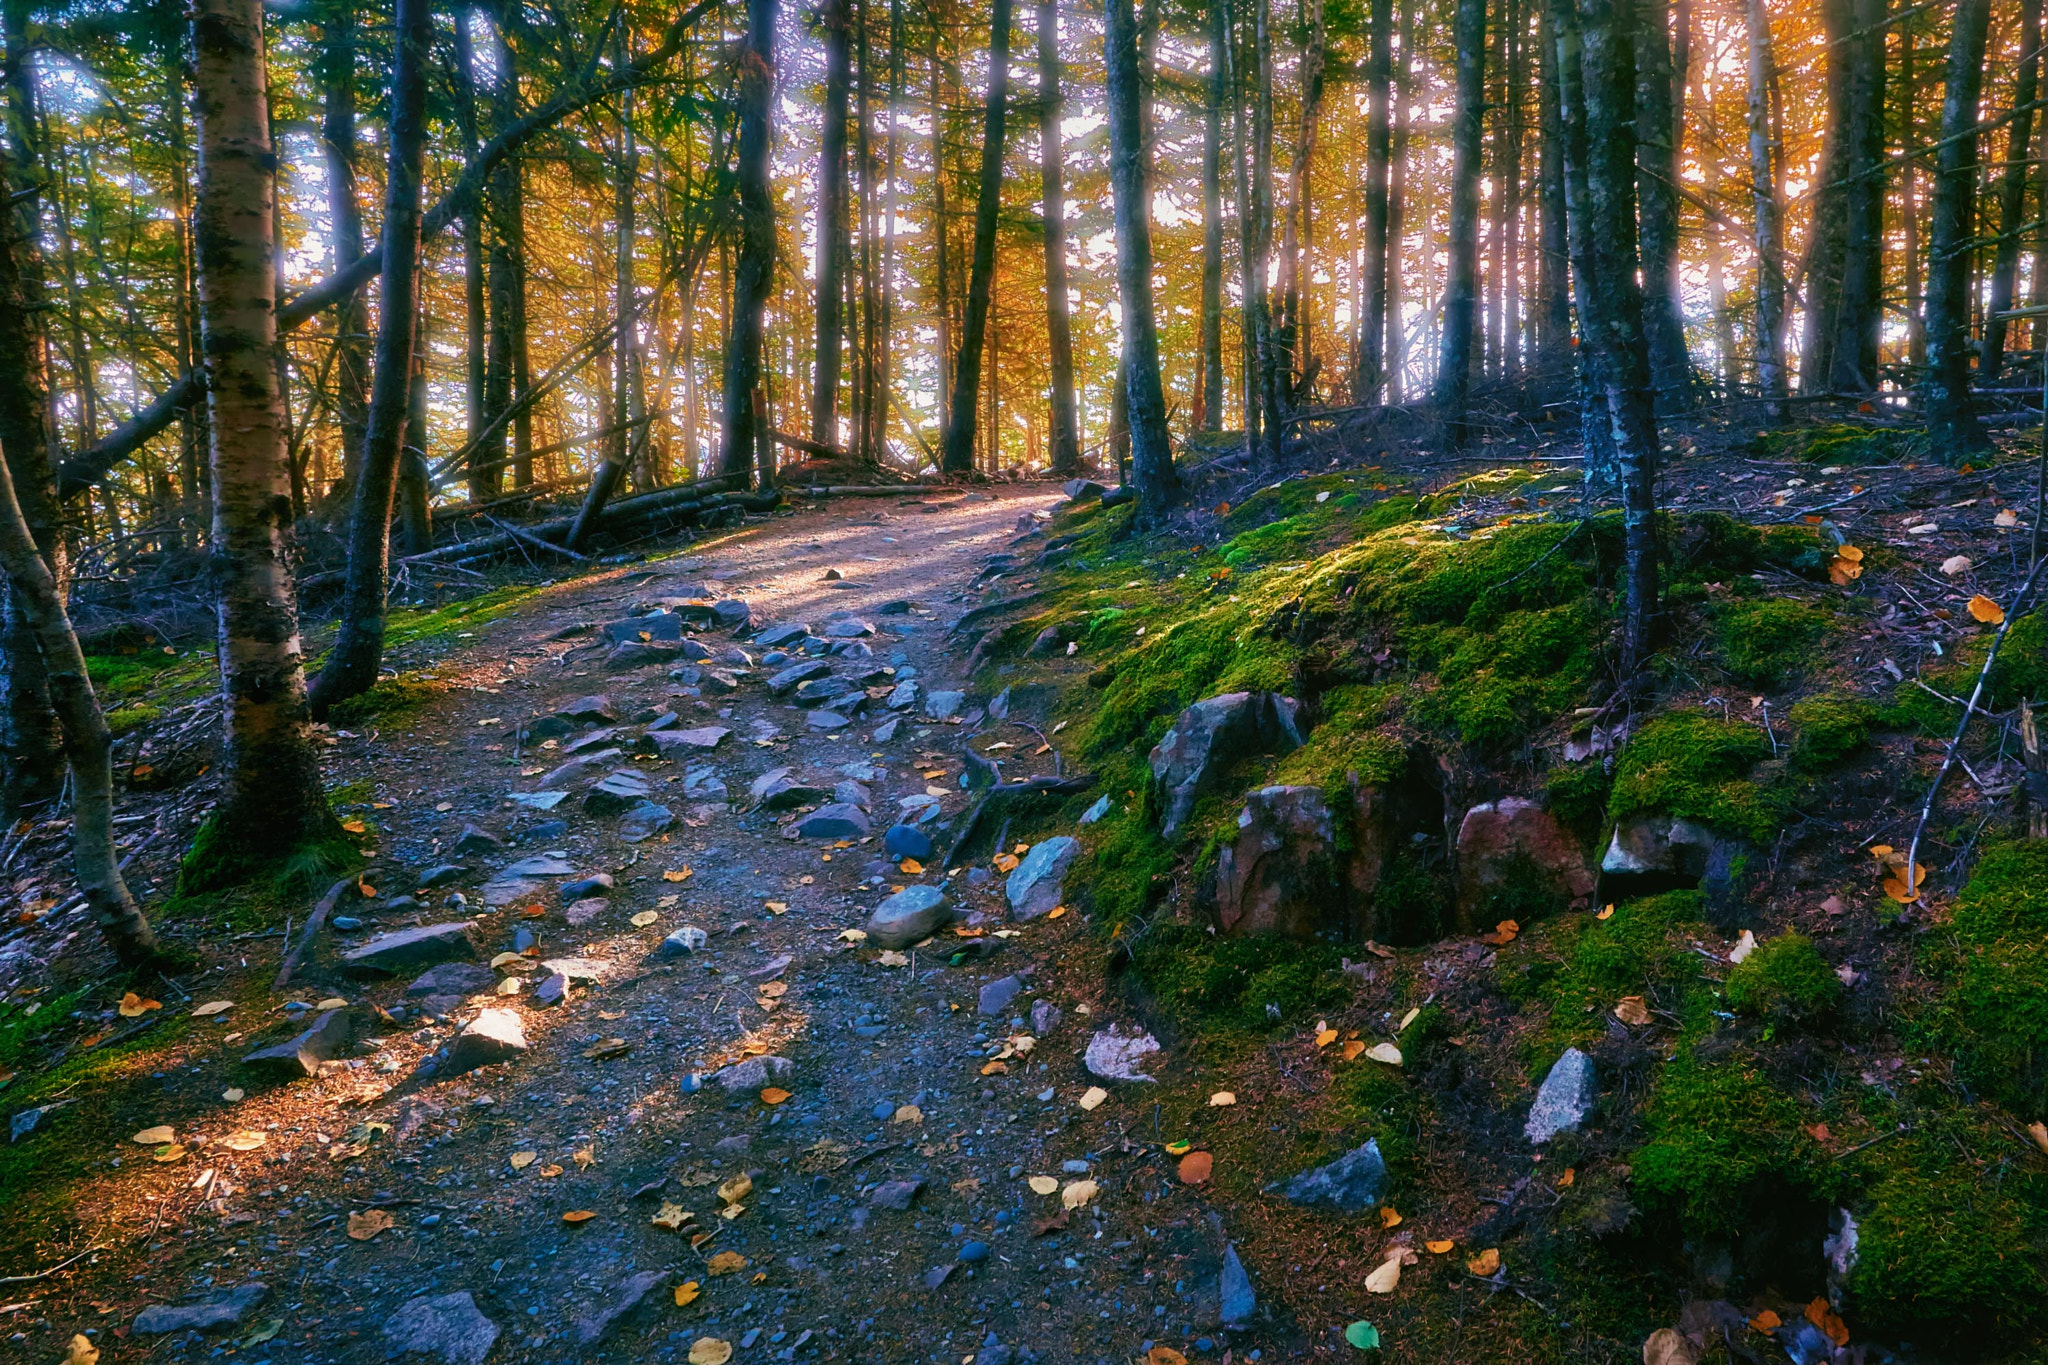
(1597, 84)
(505, 212)
(1909, 201)
(942, 241)
(1951, 419)
(1368, 379)
(273, 802)
(1251, 265)
(344, 232)
(1062, 430)
(352, 663)
(1767, 217)
(885, 332)
(476, 318)
(1511, 192)
(871, 415)
(1461, 288)
(1397, 201)
(1860, 317)
(834, 19)
(2012, 192)
(1208, 415)
(1158, 482)
(1272, 360)
(632, 450)
(958, 454)
(1554, 321)
(1290, 328)
(753, 273)
(1657, 194)
(30, 734)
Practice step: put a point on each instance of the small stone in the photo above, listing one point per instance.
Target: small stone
(907, 841)
(597, 710)
(541, 865)
(1045, 1017)
(1096, 811)
(1353, 1182)
(837, 820)
(596, 884)
(453, 978)
(441, 875)
(847, 628)
(910, 916)
(718, 682)
(586, 911)
(404, 949)
(495, 1035)
(851, 793)
(1114, 1053)
(788, 679)
(446, 1325)
(747, 1077)
(348, 924)
(684, 941)
(886, 731)
(1036, 883)
(894, 1194)
(828, 720)
(309, 1053)
(644, 821)
(701, 739)
(943, 705)
(622, 1301)
(997, 994)
(1239, 1302)
(974, 1253)
(473, 841)
(778, 789)
(552, 991)
(1565, 1099)
(223, 1310)
(581, 971)
(784, 633)
(617, 793)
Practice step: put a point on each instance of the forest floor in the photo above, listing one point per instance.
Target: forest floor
(901, 1191)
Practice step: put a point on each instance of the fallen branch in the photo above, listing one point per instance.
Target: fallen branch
(313, 926)
(46, 1274)
(535, 541)
(1033, 786)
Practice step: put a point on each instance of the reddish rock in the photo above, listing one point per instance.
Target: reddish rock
(1503, 845)
(1281, 874)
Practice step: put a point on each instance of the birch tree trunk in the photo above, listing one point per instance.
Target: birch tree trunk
(273, 802)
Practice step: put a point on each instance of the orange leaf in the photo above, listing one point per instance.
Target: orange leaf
(1439, 1248)
(578, 1216)
(1195, 1167)
(1820, 1315)
(1767, 1321)
(1485, 1263)
(774, 1095)
(1390, 1217)
(134, 1006)
(1984, 609)
(1606, 912)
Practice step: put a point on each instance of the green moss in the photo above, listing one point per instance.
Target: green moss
(1219, 650)
(117, 676)
(1842, 443)
(1995, 1011)
(1693, 766)
(1763, 643)
(1828, 730)
(24, 1023)
(1946, 1257)
(212, 865)
(2020, 672)
(391, 699)
(1577, 794)
(1347, 740)
(1218, 985)
(1721, 1138)
(1581, 966)
(122, 719)
(1785, 980)
(1495, 686)
(1380, 1103)
(407, 627)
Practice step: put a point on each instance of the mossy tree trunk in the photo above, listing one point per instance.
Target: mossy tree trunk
(273, 801)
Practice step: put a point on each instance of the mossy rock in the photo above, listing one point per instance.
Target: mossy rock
(391, 699)
(1829, 730)
(1839, 443)
(1765, 643)
(1784, 980)
(1220, 986)
(1697, 767)
(1996, 1006)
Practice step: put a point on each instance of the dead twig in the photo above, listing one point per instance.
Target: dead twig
(313, 924)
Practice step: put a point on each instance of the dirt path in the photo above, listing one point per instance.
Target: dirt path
(616, 1109)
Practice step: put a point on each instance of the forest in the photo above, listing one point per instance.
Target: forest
(1578, 453)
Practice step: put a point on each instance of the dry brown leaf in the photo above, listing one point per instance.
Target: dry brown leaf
(1043, 1184)
(134, 1006)
(736, 1189)
(1820, 1315)
(1569, 1178)
(247, 1140)
(644, 918)
(1767, 1321)
(725, 1263)
(2038, 1131)
(1632, 1011)
(154, 1137)
(2007, 518)
(1385, 1053)
(671, 1215)
(1386, 1278)
(1325, 1037)
(710, 1351)
(211, 1008)
(1195, 1167)
(367, 1224)
(687, 1292)
(774, 1095)
(908, 1113)
(1164, 1355)
(584, 1157)
(1222, 1099)
(910, 867)
(550, 1171)
(1353, 1049)
(1669, 1347)
(1006, 862)
(1079, 1193)
(174, 1152)
(81, 1351)
(1606, 912)
(1503, 934)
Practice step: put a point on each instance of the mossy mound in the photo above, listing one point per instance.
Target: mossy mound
(1996, 1005)
(1722, 1140)
(391, 699)
(1839, 443)
(1236, 986)
(1581, 966)
(1829, 730)
(1697, 767)
(1766, 643)
(1784, 980)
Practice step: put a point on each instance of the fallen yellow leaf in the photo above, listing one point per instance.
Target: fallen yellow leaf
(1984, 609)
(1353, 1049)
(737, 1188)
(1222, 1099)
(687, 1292)
(1439, 1248)
(645, 918)
(910, 867)
(1390, 1217)
(677, 874)
(1043, 1184)
(1386, 1278)
(152, 1137)
(247, 1140)
(1078, 1194)
(81, 1352)
(671, 1215)
(710, 1351)
(1006, 862)
(354, 826)
(1384, 1052)
(134, 1006)
(725, 1263)
(1606, 912)
(1325, 1037)
(774, 1095)
(1164, 1355)
(1485, 1263)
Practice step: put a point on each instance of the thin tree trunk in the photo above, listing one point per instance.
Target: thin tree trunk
(1208, 414)
(958, 453)
(476, 318)
(273, 801)
(1062, 431)
(1158, 482)
(1290, 328)
(352, 663)
(1909, 202)
(835, 21)
(885, 332)
(2012, 193)
(1461, 288)
(1951, 419)
(1821, 271)
(629, 400)
(753, 273)
(1368, 380)
(505, 212)
(1554, 322)
(344, 233)
(1272, 362)
(1860, 318)
(415, 506)
(1657, 192)
(942, 243)
(1397, 203)
(1763, 195)
(1251, 271)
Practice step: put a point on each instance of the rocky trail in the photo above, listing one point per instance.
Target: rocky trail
(621, 1061)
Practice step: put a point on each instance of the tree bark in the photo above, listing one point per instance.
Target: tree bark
(1461, 287)
(344, 232)
(475, 311)
(1657, 194)
(1062, 430)
(1554, 312)
(1368, 379)
(352, 663)
(1767, 217)
(1208, 414)
(1860, 317)
(1251, 269)
(833, 19)
(273, 801)
(958, 452)
(1951, 418)
(1158, 482)
(1291, 329)
(30, 734)
(2012, 193)
(415, 487)
(753, 273)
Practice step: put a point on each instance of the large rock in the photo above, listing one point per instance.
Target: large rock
(617, 793)
(223, 1310)
(407, 949)
(1235, 1290)
(847, 628)
(1211, 735)
(1514, 847)
(597, 709)
(1281, 874)
(944, 705)
(307, 1054)
(633, 655)
(661, 625)
(493, 1036)
(1658, 846)
(1354, 1182)
(746, 1077)
(683, 743)
(644, 821)
(839, 820)
(579, 767)
(910, 916)
(1118, 1053)
(1566, 1097)
(780, 789)
(621, 1301)
(790, 678)
(453, 978)
(784, 633)
(1035, 884)
(449, 1326)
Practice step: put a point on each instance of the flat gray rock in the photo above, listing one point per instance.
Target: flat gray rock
(580, 767)
(493, 1036)
(903, 696)
(702, 739)
(453, 978)
(585, 911)
(580, 970)
(634, 655)
(1353, 1182)
(838, 820)
(406, 949)
(828, 720)
(782, 633)
(617, 793)
(224, 1310)
(943, 705)
(847, 628)
(441, 875)
(500, 892)
(621, 1301)
(779, 789)
(1239, 1302)
(1117, 1053)
(996, 995)
(1036, 883)
(910, 916)
(894, 1194)
(644, 821)
(449, 1326)
(796, 674)
(598, 708)
(1566, 1097)
(544, 865)
(309, 1053)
